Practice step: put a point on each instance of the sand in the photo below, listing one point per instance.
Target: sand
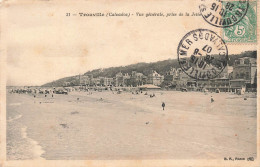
(104, 125)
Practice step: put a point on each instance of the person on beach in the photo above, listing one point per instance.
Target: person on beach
(212, 100)
(163, 105)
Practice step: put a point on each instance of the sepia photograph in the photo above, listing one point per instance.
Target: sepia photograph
(144, 110)
(129, 83)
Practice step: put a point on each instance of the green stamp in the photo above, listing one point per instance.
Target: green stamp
(244, 31)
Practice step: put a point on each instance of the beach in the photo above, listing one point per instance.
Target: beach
(106, 125)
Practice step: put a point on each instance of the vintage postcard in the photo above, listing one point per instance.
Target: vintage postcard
(129, 83)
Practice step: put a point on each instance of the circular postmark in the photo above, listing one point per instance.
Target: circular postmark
(202, 54)
(221, 13)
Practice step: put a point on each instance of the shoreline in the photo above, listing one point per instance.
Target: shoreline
(37, 149)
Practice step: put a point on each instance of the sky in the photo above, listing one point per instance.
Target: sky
(43, 45)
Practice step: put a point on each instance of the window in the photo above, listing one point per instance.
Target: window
(247, 75)
(242, 75)
(246, 61)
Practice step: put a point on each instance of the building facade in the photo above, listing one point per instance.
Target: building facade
(244, 74)
(154, 78)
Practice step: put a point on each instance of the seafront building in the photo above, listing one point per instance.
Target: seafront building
(154, 78)
(242, 75)
(119, 79)
(108, 81)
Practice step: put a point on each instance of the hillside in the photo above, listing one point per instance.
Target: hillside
(161, 67)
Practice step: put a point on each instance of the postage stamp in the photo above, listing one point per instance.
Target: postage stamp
(202, 54)
(223, 14)
(244, 31)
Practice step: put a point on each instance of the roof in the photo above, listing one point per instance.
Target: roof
(245, 58)
(223, 78)
(60, 88)
(238, 80)
(149, 86)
